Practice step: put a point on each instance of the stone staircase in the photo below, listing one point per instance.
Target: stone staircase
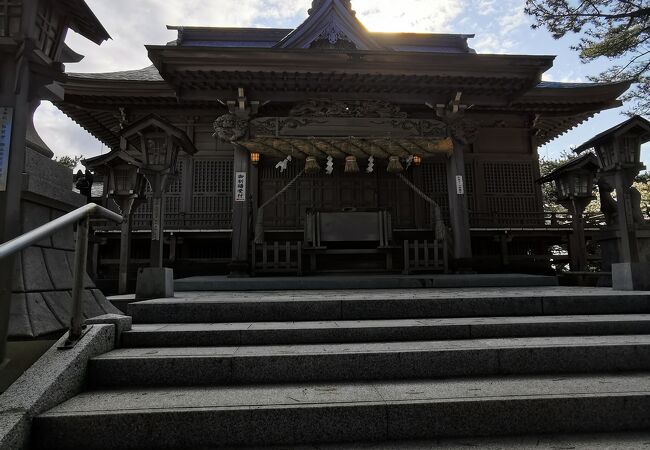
(388, 368)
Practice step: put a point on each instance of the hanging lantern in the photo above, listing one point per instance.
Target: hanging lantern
(351, 165)
(417, 160)
(394, 165)
(311, 165)
(255, 158)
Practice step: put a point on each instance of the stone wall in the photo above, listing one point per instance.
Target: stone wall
(41, 302)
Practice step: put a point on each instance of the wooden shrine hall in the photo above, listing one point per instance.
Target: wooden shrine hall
(328, 147)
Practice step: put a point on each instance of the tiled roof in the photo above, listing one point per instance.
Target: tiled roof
(560, 85)
(147, 74)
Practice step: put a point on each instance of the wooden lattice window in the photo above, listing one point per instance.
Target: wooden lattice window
(509, 178)
(469, 178)
(10, 17)
(434, 178)
(212, 185)
(176, 183)
(509, 187)
(213, 176)
(49, 26)
(434, 184)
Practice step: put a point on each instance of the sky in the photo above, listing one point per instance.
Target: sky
(500, 26)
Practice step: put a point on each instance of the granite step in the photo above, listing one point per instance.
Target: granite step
(300, 413)
(361, 281)
(592, 441)
(201, 307)
(202, 366)
(340, 331)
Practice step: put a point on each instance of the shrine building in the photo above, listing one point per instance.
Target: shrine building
(331, 148)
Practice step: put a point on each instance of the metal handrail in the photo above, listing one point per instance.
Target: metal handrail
(80, 216)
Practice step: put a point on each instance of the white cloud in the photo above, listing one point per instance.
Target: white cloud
(433, 16)
(134, 24)
(513, 21)
(564, 77)
(63, 136)
(490, 43)
(486, 7)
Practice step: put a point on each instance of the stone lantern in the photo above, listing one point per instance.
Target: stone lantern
(156, 143)
(574, 183)
(619, 152)
(126, 186)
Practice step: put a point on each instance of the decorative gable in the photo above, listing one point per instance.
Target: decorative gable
(332, 24)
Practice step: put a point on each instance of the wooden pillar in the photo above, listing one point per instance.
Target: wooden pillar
(458, 210)
(14, 95)
(580, 242)
(125, 244)
(240, 214)
(628, 243)
(253, 195)
(157, 219)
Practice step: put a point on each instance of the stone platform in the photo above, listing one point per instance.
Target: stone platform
(361, 281)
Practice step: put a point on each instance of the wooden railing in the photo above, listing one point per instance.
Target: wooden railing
(548, 220)
(425, 256)
(178, 221)
(222, 221)
(276, 257)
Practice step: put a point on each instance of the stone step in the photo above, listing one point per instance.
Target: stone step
(292, 414)
(194, 366)
(593, 441)
(201, 307)
(340, 331)
(361, 281)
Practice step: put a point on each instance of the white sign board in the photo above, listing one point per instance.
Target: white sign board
(240, 186)
(155, 219)
(6, 116)
(460, 185)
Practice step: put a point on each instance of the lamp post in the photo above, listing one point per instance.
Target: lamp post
(126, 186)
(574, 183)
(156, 144)
(619, 152)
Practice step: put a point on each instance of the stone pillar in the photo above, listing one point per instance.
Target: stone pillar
(239, 266)
(458, 209)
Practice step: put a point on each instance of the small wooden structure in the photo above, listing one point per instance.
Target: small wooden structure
(348, 233)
